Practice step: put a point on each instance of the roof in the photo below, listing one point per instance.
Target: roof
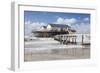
(72, 30)
(60, 25)
(44, 26)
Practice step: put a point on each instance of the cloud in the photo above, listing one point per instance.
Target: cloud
(37, 25)
(86, 19)
(27, 27)
(71, 21)
(32, 26)
(82, 28)
(27, 22)
(60, 20)
(66, 21)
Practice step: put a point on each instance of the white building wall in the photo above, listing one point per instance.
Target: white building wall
(49, 27)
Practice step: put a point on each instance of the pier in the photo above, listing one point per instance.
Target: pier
(73, 39)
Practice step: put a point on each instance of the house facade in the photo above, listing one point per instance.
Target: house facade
(58, 27)
(54, 29)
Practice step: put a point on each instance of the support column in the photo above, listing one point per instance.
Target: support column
(75, 39)
(82, 39)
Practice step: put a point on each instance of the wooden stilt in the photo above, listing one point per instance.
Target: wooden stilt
(82, 39)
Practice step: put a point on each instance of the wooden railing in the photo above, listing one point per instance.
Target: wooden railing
(73, 38)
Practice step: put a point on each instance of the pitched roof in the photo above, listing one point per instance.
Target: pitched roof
(60, 25)
(44, 26)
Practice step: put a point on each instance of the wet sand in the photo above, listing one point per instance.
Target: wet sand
(48, 49)
(58, 54)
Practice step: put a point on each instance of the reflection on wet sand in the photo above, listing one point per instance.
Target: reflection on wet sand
(55, 54)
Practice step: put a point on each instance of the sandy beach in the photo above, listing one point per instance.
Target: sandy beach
(58, 55)
(42, 50)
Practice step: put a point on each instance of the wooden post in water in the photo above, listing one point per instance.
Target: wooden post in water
(75, 39)
(82, 38)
